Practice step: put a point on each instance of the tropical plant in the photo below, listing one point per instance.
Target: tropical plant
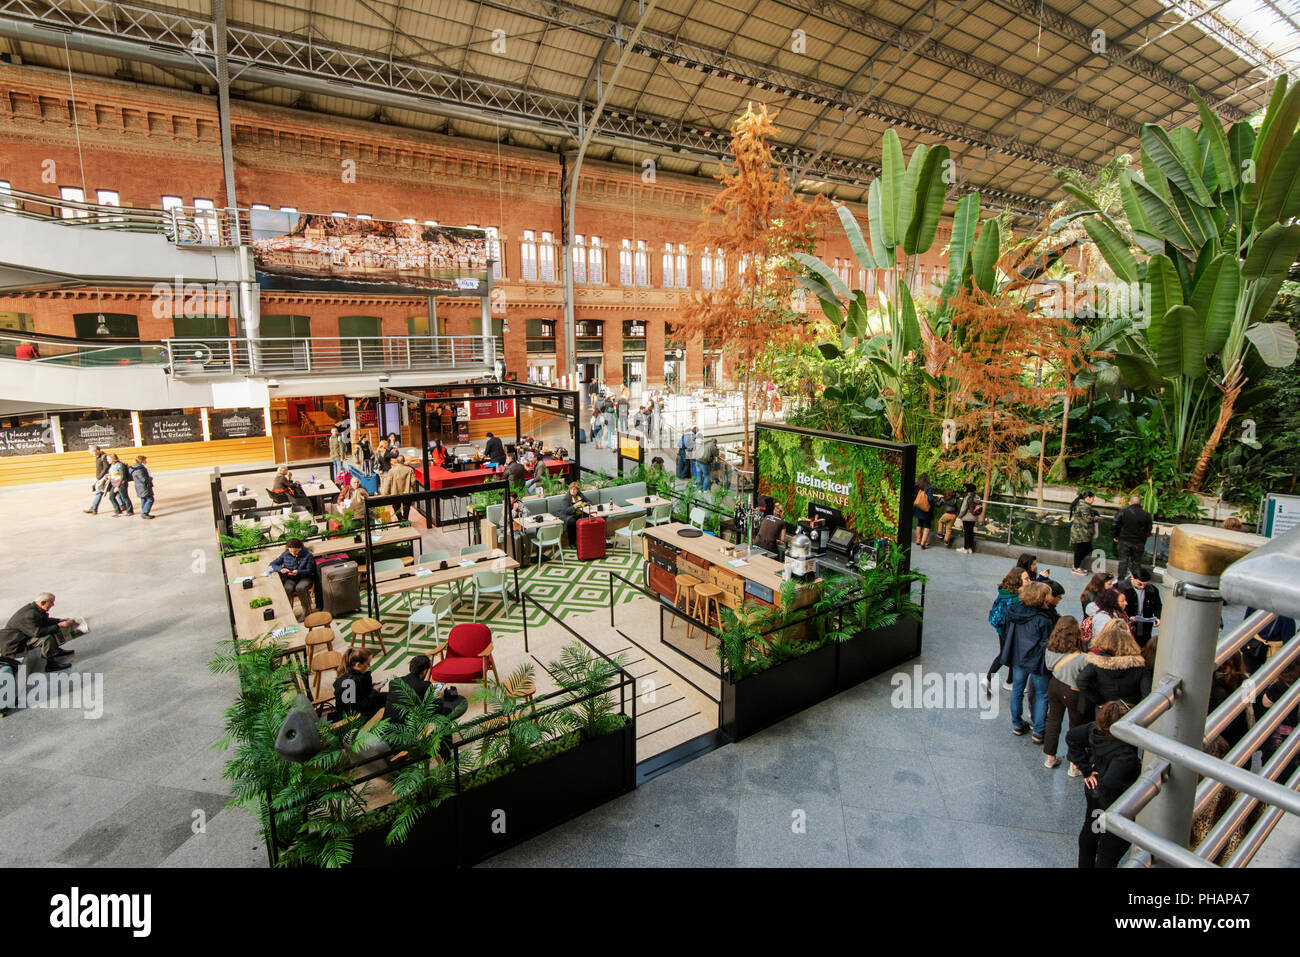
(584, 675)
(246, 537)
(513, 727)
(1212, 214)
(551, 484)
(755, 223)
(424, 781)
(295, 527)
(685, 502)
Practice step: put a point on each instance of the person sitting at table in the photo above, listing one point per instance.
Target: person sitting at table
(494, 453)
(438, 454)
(285, 491)
(354, 690)
(352, 497)
(297, 568)
(575, 507)
(514, 473)
(414, 683)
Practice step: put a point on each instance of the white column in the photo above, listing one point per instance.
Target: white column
(56, 432)
(203, 422)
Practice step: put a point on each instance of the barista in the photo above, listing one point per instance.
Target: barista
(772, 530)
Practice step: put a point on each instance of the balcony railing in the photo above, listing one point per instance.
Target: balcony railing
(322, 355)
(182, 225)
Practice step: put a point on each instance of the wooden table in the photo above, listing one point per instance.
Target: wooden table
(654, 502)
(395, 582)
(530, 524)
(249, 623)
(764, 572)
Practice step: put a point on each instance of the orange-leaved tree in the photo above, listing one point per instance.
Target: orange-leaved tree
(754, 224)
(1008, 365)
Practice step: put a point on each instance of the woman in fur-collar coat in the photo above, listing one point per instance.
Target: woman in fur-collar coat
(1114, 671)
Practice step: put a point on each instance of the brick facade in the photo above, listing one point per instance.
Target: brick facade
(145, 143)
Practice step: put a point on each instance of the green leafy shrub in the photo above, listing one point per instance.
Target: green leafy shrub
(259, 602)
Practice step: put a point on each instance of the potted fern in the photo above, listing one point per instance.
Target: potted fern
(246, 538)
(883, 628)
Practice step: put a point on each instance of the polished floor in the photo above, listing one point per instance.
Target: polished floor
(853, 781)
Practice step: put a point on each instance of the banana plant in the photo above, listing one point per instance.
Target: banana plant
(1212, 216)
(903, 208)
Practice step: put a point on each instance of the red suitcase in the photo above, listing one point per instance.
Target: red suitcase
(591, 538)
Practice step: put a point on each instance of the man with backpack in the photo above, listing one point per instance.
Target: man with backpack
(706, 453)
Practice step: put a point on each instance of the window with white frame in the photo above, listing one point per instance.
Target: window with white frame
(579, 258)
(669, 263)
(528, 255)
(107, 197)
(546, 258)
(72, 194)
(495, 252)
(625, 263)
(682, 273)
(595, 260)
(205, 217)
(642, 263)
(6, 195)
(364, 216)
(261, 207)
(283, 209)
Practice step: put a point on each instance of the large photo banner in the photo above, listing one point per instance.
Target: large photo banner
(861, 482)
(309, 251)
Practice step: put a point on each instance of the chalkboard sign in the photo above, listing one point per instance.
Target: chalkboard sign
(106, 433)
(26, 440)
(166, 429)
(236, 424)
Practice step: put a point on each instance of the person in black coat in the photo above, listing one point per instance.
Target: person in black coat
(574, 508)
(32, 626)
(494, 453)
(1109, 767)
(413, 686)
(1027, 629)
(142, 478)
(1143, 601)
(1130, 530)
(1256, 651)
(1115, 670)
(354, 690)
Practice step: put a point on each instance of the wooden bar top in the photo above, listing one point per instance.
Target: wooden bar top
(761, 569)
(391, 583)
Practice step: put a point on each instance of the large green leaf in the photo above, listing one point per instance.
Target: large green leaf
(818, 288)
(1081, 196)
(1273, 252)
(857, 318)
(964, 221)
(1215, 300)
(1264, 292)
(856, 242)
(1279, 198)
(884, 253)
(1241, 146)
(825, 274)
(1113, 249)
(1275, 341)
(1181, 350)
(1157, 145)
(907, 197)
(1276, 132)
(1166, 291)
(1138, 371)
(1132, 208)
(911, 328)
(930, 191)
(984, 256)
(893, 172)
(1195, 218)
(1159, 212)
(1217, 141)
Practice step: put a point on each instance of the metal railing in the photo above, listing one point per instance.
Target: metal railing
(1021, 528)
(328, 355)
(82, 353)
(182, 225)
(1180, 779)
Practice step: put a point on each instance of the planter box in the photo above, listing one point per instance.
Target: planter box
(760, 701)
(873, 652)
(475, 824)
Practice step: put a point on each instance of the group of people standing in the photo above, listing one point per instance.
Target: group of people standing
(952, 507)
(114, 478)
(612, 413)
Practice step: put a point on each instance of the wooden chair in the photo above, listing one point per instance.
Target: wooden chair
(707, 607)
(322, 662)
(318, 619)
(319, 640)
(367, 631)
(684, 598)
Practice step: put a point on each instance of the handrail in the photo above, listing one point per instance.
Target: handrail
(181, 225)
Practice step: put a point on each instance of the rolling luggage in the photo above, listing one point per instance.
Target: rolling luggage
(591, 538)
(522, 549)
(340, 587)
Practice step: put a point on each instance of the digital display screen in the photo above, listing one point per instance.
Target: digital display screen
(842, 538)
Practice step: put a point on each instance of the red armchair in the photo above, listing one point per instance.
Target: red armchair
(466, 656)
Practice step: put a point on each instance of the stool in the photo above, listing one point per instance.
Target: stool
(318, 619)
(319, 639)
(685, 592)
(367, 630)
(707, 607)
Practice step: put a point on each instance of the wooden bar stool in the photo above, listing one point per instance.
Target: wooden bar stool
(318, 640)
(522, 688)
(684, 598)
(323, 662)
(707, 607)
(367, 631)
(318, 619)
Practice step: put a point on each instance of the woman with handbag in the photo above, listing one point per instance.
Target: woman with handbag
(1064, 656)
(1082, 532)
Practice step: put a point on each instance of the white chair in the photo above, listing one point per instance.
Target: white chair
(661, 514)
(429, 558)
(548, 536)
(698, 515)
(490, 582)
(427, 615)
(468, 550)
(635, 527)
(392, 565)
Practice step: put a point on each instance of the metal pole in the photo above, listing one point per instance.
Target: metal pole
(1189, 634)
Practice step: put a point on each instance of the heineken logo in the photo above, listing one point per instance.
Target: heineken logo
(821, 484)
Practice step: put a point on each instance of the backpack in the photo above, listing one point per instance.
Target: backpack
(922, 500)
(1085, 629)
(998, 613)
(978, 510)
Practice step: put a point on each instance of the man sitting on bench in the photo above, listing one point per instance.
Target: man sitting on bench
(297, 568)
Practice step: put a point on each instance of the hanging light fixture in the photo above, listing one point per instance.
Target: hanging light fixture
(101, 325)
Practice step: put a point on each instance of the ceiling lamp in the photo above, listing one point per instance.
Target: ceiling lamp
(101, 326)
